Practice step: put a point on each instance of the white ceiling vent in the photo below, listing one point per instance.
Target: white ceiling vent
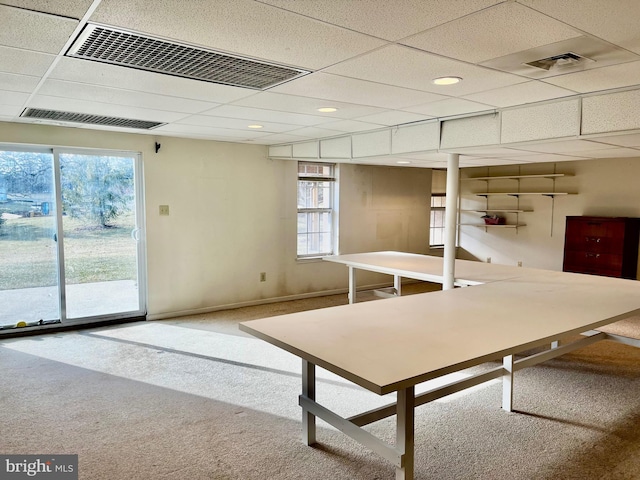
(128, 49)
(567, 60)
(573, 55)
(58, 116)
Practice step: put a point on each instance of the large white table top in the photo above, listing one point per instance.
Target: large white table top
(429, 268)
(393, 344)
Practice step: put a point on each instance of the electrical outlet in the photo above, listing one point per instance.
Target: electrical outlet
(488, 259)
(520, 263)
(164, 209)
(263, 276)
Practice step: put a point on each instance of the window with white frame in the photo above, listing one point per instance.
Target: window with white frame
(316, 212)
(436, 223)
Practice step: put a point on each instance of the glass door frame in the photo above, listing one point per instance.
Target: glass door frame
(138, 233)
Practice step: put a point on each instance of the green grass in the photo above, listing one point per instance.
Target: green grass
(92, 254)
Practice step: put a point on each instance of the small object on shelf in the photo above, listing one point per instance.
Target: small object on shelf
(493, 220)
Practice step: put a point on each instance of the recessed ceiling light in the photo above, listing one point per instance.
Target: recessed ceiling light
(446, 80)
(254, 126)
(327, 109)
(403, 162)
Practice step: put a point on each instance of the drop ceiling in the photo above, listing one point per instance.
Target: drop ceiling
(371, 60)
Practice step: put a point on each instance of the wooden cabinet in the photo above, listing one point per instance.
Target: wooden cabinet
(602, 246)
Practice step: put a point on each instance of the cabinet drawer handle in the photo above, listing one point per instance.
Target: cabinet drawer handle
(592, 255)
(592, 239)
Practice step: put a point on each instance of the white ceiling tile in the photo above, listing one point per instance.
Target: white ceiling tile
(411, 68)
(520, 29)
(13, 98)
(95, 108)
(203, 130)
(615, 22)
(93, 73)
(563, 146)
(58, 88)
(65, 8)
(519, 94)
(382, 18)
(16, 60)
(345, 89)
(18, 83)
(304, 105)
(236, 111)
(605, 78)
(450, 107)
(240, 26)
(350, 126)
(276, 138)
(315, 132)
(393, 117)
(629, 140)
(234, 123)
(33, 30)
(10, 111)
(620, 152)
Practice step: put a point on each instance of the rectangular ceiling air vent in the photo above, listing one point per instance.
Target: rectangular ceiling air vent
(564, 60)
(58, 116)
(142, 52)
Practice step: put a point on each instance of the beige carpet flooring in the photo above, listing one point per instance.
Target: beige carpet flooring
(195, 398)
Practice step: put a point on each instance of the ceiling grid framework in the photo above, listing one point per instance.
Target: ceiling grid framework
(372, 60)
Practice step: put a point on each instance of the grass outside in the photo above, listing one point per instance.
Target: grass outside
(92, 254)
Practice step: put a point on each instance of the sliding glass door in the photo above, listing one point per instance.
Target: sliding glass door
(71, 242)
(29, 293)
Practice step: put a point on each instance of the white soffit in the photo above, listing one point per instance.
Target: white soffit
(264, 30)
(34, 31)
(471, 131)
(414, 138)
(306, 150)
(611, 112)
(520, 29)
(283, 151)
(371, 144)
(386, 19)
(538, 122)
(336, 148)
(411, 68)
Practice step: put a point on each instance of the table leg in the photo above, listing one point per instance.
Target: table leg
(352, 284)
(397, 284)
(404, 432)
(507, 383)
(309, 391)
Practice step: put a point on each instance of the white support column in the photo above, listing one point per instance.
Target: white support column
(507, 383)
(352, 284)
(404, 433)
(308, 391)
(451, 220)
(397, 284)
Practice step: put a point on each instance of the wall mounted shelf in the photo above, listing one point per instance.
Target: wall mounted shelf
(518, 194)
(502, 210)
(482, 225)
(543, 175)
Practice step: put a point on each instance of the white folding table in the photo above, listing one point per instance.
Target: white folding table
(393, 345)
(423, 267)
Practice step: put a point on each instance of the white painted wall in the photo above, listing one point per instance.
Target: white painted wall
(604, 187)
(233, 215)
